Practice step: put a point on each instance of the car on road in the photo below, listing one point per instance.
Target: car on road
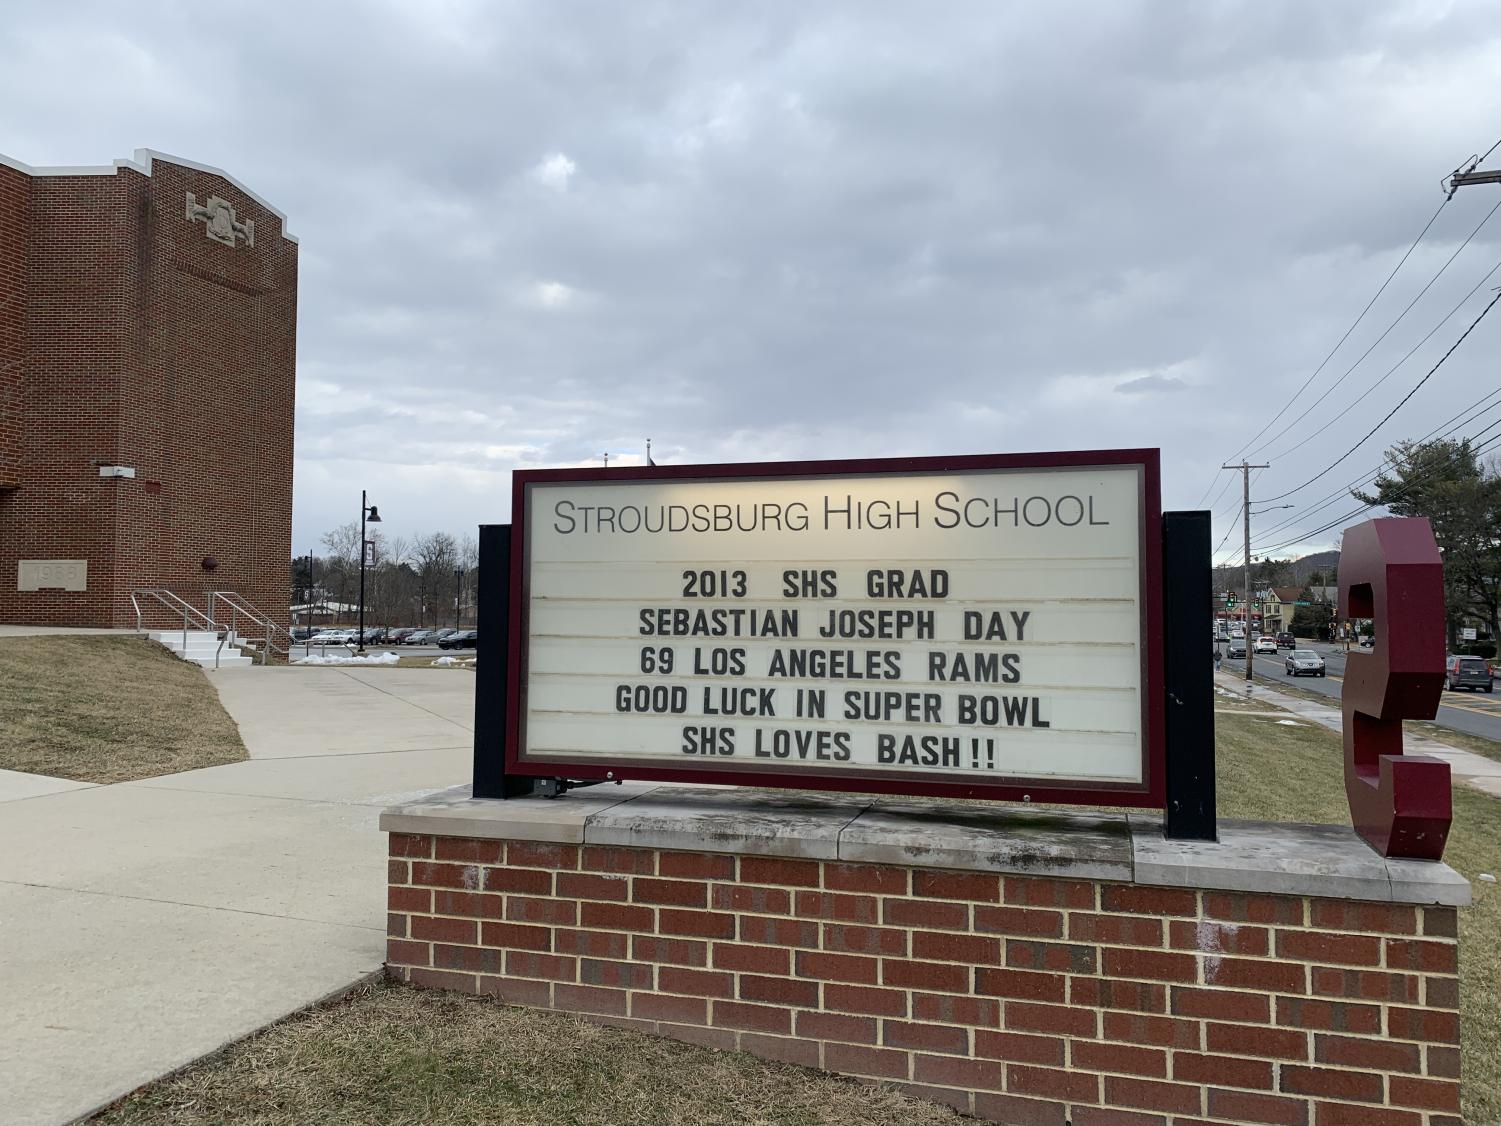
(1304, 662)
(1467, 672)
(461, 639)
(1236, 650)
(1286, 641)
(1266, 645)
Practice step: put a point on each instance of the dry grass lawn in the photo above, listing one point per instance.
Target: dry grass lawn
(393, 1055)
(107, 709)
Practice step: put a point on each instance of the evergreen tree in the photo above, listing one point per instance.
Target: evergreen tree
(1446, 481)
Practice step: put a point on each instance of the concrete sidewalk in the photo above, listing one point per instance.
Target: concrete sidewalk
(145, 924)
(1482, 773)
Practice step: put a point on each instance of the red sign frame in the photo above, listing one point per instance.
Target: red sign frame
(1149, 793)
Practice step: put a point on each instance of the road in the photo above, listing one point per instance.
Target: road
(1474, 713)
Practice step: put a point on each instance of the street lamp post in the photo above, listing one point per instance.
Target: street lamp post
(458, 588)
(370, 514)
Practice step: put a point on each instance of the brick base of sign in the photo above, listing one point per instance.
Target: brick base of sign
(1015, 998)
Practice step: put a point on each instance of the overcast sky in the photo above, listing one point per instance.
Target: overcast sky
(532, 233)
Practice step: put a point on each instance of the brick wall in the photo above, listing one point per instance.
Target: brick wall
(148, 344)
(1017, 999)
(15, 197)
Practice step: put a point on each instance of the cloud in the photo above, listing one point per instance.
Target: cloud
(551, 295)
(1148, 383)
(833, 230)
(555, 172)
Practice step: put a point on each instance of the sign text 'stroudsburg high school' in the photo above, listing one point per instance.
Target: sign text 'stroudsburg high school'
(973, 626)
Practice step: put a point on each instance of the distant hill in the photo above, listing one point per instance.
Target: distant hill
(1229, 577)
(1326, 561)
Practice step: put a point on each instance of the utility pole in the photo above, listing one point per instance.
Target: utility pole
(1245, 484)
(1462, 179)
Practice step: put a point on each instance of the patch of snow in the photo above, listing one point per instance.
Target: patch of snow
(1290, 723)
(1487, 878)
(368, 659)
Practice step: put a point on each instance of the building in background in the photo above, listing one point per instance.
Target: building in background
(148, 322)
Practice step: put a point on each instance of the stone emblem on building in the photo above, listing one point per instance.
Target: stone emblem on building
(218, 216)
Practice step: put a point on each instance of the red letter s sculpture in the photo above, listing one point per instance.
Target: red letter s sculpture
(1390, 571)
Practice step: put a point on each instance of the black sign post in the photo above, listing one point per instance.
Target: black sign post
(1187, 590)
(492, 650)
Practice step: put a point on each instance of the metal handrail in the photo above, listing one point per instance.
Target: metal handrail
(177, 605)
(239, 606)
(192, 617)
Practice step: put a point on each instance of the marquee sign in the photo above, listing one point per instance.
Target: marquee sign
(976, 626)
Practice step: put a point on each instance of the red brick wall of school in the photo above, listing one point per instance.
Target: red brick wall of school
(15, 198)
(146, 344)
(1020, 1000)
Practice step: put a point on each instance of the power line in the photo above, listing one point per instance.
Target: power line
(1402, 491)
(1474, 162)
(1288, 405)
(1374, 344)
(1228, 529)
(1400, 404)
(1324, 502)
(1338, 345)
(1429, 335)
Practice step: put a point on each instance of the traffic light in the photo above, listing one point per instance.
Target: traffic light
(1230, 599)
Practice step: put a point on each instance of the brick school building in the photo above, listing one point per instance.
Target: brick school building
(148, 322)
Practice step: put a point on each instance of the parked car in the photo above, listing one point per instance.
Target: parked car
(376, 635)
(399, 636)
(332, 637)
(420, 637)
(1467, 672)
(459, 639)
(1304, 662)
(1286, 640)
(1266, 645)
(1236, 650)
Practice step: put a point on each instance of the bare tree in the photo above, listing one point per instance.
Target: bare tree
(340, 571)
(434, 559)
(469, 585)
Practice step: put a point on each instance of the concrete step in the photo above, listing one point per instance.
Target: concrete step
(202, 648)
(174, 637)
(230, 658)
(194, 646)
